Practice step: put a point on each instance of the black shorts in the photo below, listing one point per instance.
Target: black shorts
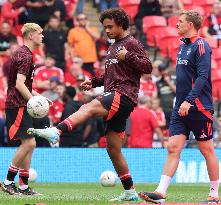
(119, 108)
(18, 121)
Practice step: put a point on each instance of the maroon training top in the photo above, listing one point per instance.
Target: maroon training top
(20, 62)
(124, 76)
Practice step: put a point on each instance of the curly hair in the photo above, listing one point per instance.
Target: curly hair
(119, 16)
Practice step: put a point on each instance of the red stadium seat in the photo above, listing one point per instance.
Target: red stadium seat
(130, 6)
(166, 37)
(216, 55)
(214, 64)
(206, 4)
(152, 25)
(172, 21)
(187, 3)
(212, 42)
(216, 84)
(131, 11)
(123, 3)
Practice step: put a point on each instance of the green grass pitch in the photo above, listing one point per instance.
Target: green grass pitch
(95, 194)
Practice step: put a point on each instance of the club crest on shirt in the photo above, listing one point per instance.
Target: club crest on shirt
(188, 51)
(180, 51)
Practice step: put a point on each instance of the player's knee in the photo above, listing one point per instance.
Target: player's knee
(207, 151)
(174, 148)
(30, 143)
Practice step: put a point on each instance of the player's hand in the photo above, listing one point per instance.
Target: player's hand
(184, 108)
(86, 85)
(121, 54)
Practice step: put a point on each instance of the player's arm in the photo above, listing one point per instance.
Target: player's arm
(97, 81)
(137, 57)
(159, 135)
(203, 66)
(21, 87)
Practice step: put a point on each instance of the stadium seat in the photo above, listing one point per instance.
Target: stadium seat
(212, 42)
(206, 4)
(173, 48)
(187, 3)
(123, 3)
(216, 91)
(132, 11)
(216, 55)
(152, 25)
(165, 38)
(130, 6)
(172, 21)
(214, 64)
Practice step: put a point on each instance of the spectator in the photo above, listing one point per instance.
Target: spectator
(80, 7)
(75, 137)
(57, 108)
(44, 73)
(40, 11)
(55, 41)
(166, 91)
(5, 68)
(6, 37)
(147, 8)
(170, 7)
(10, 14)
(74, 70)
(82, 39)
(107, 4)
(51, 93)
(212, 24)
(147, 86)
(94, 128)
(102, 45)
(71, 6)
(143, 125)
(159, 115)
(136, 33)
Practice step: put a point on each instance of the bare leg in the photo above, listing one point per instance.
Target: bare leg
(93, 108)
(207, 150)
(27, 146)
(175, 146)
(114, 145)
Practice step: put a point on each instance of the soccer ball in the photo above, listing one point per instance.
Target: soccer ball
(108, 178)
(38, 106)
(32, 175)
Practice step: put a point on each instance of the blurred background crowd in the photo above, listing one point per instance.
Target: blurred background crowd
(74, 49)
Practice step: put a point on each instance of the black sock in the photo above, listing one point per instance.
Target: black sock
(65, 126)
(23, 177)
(12, 172)
(127, 181)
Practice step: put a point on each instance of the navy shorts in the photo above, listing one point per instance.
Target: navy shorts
(119, 108)
(195, 121)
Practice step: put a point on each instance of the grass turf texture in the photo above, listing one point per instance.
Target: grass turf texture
(95, 194)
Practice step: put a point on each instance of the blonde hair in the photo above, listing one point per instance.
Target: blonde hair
(30, 27)
(194, 17)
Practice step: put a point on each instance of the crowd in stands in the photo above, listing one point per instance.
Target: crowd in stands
(73, 50)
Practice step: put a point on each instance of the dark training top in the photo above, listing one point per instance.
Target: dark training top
(124, 76)
(20, 62)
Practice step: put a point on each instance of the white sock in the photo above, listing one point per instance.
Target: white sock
(163, 185)
(214, 189)
(7, 182)
(23, 187)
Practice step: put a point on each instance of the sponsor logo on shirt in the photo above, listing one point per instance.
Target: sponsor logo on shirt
(181, 61)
